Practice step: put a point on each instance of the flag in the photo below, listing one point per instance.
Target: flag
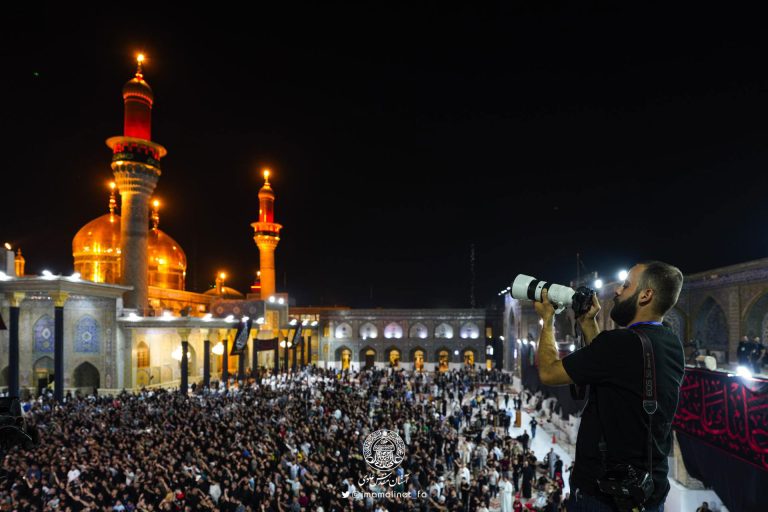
(241, 338)
(270, 344)
(297, 335)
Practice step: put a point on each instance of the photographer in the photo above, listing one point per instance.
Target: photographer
(614, 424)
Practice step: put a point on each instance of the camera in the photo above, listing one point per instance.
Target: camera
(529, 288)
(629, 486)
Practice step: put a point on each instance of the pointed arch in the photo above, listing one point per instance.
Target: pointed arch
(369, 331)
(418, 331)
(368, 356)
(711, 325)
(444, 330)
(443, 358)
(469, 330)
(756, 318)
(343, 331)
(675, 320)
(87, 376)
(142, 355)
(394, 355)
(343, 356)
(393, 330)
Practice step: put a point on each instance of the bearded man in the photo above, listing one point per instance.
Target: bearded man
(614, 424)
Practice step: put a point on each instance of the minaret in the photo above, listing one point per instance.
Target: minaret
(19, 263)
(136, 164)
(267, 236)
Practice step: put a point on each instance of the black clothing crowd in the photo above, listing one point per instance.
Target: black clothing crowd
(286, 443)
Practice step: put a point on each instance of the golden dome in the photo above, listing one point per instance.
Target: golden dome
(96, 249)
(167, 261)
(226, 292)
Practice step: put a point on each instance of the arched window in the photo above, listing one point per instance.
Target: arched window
(418, 331)
(142, 355)
(393, 330)
(343, 331)
(469, 330)
(368, 331)
(444, 331)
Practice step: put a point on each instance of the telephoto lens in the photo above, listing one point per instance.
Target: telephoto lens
(529, 288)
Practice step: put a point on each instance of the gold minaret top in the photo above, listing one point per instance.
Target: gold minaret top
(267, 236)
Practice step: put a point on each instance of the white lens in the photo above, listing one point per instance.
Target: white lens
(520, 287)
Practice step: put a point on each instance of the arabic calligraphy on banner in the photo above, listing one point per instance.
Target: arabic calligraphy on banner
(727, 412)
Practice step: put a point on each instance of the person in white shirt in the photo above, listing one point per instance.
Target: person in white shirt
(506, 489)
(73, 475)
(407, 432)
(215, 490)
(463, 473)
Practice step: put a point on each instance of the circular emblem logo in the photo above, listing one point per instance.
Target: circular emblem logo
(383, 450)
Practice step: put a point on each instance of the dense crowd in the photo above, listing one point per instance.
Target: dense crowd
(286, 443)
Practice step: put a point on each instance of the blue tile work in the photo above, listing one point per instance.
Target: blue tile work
(43, 334)
(87, 335)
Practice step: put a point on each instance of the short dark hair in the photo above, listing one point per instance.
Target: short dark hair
(665, 280)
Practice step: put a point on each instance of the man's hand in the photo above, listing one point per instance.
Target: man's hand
(591, 314)
(546, 310)
(588, 323)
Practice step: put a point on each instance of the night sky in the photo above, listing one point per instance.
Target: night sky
(398, 137)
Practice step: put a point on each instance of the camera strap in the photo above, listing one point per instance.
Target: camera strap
(650, 402)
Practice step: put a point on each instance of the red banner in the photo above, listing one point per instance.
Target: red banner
(727, 412)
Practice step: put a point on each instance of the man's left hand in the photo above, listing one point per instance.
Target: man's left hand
(545, 309)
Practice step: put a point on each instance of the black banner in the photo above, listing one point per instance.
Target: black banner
(726, 412)
(265, 344)
(241, 338)
(297, 336)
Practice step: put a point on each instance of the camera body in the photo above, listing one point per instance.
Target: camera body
(529, 288)
(629, 486)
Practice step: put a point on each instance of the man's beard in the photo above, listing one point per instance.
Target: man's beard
(624, 311)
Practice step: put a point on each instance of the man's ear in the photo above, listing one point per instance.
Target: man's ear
(645, 298)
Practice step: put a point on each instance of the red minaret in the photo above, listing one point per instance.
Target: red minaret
(136, 165)
(138, 98)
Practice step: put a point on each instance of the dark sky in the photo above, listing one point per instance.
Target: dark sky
(399, 136)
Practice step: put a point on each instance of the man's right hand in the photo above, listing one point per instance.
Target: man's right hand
(594, 309)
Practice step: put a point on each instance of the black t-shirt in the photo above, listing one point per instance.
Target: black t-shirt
(613, 365)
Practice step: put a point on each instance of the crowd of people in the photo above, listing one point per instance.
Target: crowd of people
(290, 442)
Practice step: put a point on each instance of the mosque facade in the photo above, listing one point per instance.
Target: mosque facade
(125, 320)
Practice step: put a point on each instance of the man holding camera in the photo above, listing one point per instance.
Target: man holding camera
(614, 424)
